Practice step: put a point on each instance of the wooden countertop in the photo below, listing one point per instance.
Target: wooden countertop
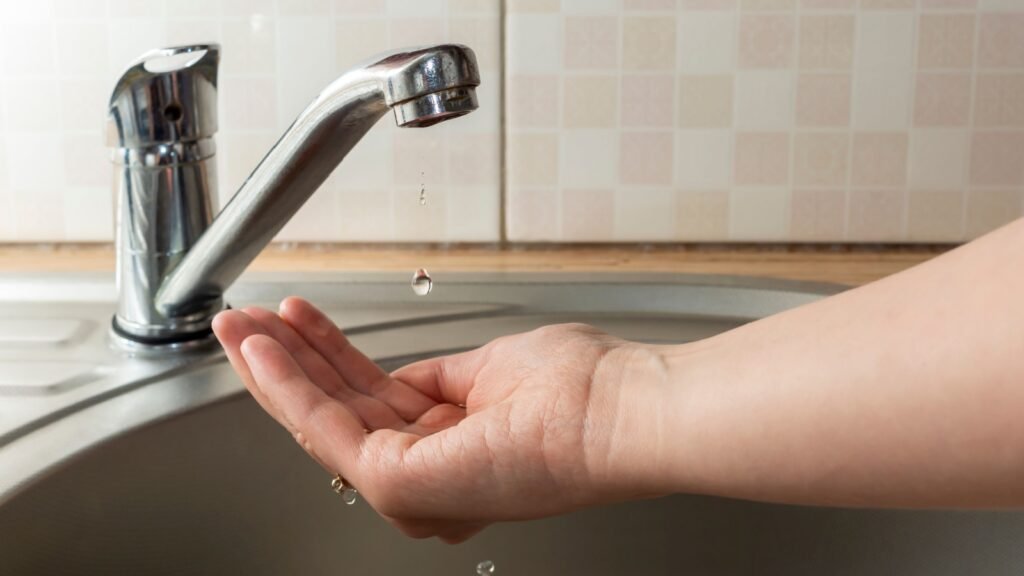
(840, 264)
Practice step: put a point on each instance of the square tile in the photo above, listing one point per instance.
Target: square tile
(945, 41)
(706, 42)
(645, 215)
(820, 158)
(647, 100)
(702, 215)
(935, 216)
(649, 43)
(588, 215)
(988, 209)
(533, 160)
(764, 99)
(591, 43)
(766, 40)
(703, 158)
(534, 43)
(876, 215)
(826, 41)
(761, 159)
(705, 101)
(817, 215)
(646, 158)
(999, 100)
(533, 214)
(938, 159)
(533, 100)
(881, 99)
(942, 99)
(760, 215)
(885, 40)
(1001, 40)
(590, 101)
(879, 159)
(590, 158)
(997, 159)
(823, 100)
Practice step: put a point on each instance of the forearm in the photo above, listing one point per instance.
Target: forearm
(905, 392)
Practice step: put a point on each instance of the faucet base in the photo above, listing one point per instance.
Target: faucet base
(177, 341)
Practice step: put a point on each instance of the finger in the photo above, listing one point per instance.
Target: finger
(325, 427)
(359, 371)
(374, 413)
(446, 378)
(460, 534)
(231, 328)
(438, 418)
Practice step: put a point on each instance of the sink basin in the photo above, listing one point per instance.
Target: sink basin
(157, 464)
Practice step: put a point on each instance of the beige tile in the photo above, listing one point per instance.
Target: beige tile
(533, 100)
(418, 221)
(887, 4)
(645, 214)
(885, 40)
(590, 101)
(646, 158)
(826, 41)
(879, 159)
(424, 31)
(248, 50)
(759, 215)
(754, 5)
(702, 215)
(708, 4)
(823, 100)
(876, 215)
(420, 158)
(81, 47)
(532, 160)
(764, 99)
(591, 42)
(704, 159)
(997, 159)
(588, 215)
(828, 4)
(641, 5)
(942, 99)
(647, 100)
(88, 214)
(945, 41)
(817, 215)
(474, 214)
(533, 215)
(356, 38)
(938, 159)
(935, 216)
(705, 101)
(761, 159)
(589, 158)
(1001, 40)
(480, 34)
(989, 209)
(820, 158)
(248, 103)
(474, 160)
(532, 5)
(534, 43)
(948, 4)
(706, 42)
(304, 7)
(882, 99)
(86, 161)
(366, 215)
(766, 40)
(999, 100)
(649, 43)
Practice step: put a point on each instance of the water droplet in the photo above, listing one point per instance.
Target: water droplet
(423, 195)
(349, 496)
(421, 282)
(484, 568)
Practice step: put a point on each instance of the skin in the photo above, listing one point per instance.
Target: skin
(907, 392)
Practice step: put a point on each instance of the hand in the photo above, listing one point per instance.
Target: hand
(527, 426)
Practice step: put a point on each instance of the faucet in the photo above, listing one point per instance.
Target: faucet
(174, 260)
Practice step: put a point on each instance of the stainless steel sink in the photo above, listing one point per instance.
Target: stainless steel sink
(162, 464)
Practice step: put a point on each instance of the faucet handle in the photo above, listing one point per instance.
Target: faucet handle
(167, 95)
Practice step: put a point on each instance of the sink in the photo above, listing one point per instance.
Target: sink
(162, 464)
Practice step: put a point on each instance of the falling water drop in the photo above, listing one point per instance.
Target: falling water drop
(484, 568)
(422, 283)
(423, 190)
(349, 496)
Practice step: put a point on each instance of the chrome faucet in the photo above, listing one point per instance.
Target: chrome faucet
(174, 260)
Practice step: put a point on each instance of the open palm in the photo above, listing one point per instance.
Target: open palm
(443, 447)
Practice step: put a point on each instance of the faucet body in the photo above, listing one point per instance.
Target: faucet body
(174, 260)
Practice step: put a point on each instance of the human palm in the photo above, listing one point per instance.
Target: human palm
(514, 430)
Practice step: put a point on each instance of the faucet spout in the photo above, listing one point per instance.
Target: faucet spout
(421, 86)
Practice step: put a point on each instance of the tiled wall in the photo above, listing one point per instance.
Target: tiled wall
(625, 120)
(59, 60)
(764, 120)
